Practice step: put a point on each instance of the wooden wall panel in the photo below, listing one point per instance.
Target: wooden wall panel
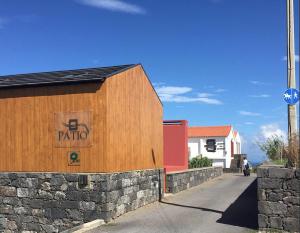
(134, 123)
(27, 127)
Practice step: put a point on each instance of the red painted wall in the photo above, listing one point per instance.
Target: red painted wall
(175, 145)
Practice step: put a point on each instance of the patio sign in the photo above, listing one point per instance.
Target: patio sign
(73, 129)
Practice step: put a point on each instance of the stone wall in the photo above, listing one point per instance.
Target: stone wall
(52, 202)
(278, 192)
(179, 181)
(232, 170)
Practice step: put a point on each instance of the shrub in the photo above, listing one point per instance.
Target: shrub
(198, 161)
(291, 151)
(273, 147)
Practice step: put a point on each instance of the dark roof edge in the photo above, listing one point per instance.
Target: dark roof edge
(62, 82)
(54, 71)
(120, 71)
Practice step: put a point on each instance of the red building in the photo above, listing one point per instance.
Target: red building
(175, 145)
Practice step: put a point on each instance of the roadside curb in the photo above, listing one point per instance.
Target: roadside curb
(85, 227)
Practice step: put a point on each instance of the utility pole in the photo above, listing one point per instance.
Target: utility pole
(291, 80)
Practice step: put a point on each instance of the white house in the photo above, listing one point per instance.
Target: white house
(218, 143)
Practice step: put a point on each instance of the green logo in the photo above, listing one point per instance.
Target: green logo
(73, 156)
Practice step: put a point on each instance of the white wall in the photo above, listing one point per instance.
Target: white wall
(237, 144)
(219, 157)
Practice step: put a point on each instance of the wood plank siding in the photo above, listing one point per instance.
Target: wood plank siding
(126, 125)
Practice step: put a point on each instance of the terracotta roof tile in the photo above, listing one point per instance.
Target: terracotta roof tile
(209, 131)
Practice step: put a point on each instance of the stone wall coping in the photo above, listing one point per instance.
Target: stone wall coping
(271, 165)
(79, 173)
(191, 170)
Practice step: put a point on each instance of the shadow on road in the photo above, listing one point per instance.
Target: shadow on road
(192, 207)
(243, 212)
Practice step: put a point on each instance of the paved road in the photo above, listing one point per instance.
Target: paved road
(224, 205)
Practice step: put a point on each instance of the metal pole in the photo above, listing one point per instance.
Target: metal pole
(291, 80)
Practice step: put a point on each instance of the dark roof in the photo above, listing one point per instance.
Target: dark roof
(61, 77)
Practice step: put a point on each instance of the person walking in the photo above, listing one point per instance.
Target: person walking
(246, 167)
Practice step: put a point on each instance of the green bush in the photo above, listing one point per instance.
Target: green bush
(200, 162)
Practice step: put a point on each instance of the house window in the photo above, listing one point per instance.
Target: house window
(211, 145)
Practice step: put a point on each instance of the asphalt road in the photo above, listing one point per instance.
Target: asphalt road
(224, 205)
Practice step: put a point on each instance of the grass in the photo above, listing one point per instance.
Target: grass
(280, 162)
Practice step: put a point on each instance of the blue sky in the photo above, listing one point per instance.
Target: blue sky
(213, 62)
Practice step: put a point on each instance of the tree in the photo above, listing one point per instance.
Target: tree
(273, 147)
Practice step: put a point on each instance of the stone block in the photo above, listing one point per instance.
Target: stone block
(294, 211)
(69, 204)
(276, 222)
(87, 205)
(38, 212)
(291, 224)
(34, 203)
(262, 172)
(23, 192)
(49, 228)
(3, 223)
(8, 191)
(55, 213)
(31, 227)
(21, 210)
(11, 201)
(291, 200)
(71, 177)
(268, 208)
(29, 182)
(126, 183)
(293, 184)
(275, 197)
(74, 214)
(277, 172)
(57, 180)
(45, 195)
(59, 195)
(11, 225)
(269, 183)
(46, 186)
(6, 209)
(4, 182)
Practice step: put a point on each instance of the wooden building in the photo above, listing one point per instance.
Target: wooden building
(89, 120)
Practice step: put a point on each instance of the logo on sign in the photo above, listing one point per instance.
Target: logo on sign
(73, 158)
(73, 129)
(291, 96)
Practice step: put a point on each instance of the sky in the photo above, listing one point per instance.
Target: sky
(212, 62)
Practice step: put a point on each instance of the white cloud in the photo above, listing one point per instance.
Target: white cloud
(246, 113)
(258, 83)
(176, 94)
(260, 96)
(209, 101)
(172, 90)
(249, 123)
(220, 90)
(270, 130)
(204, 95)
(115, 5)
(296, 58)
(186, 99)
